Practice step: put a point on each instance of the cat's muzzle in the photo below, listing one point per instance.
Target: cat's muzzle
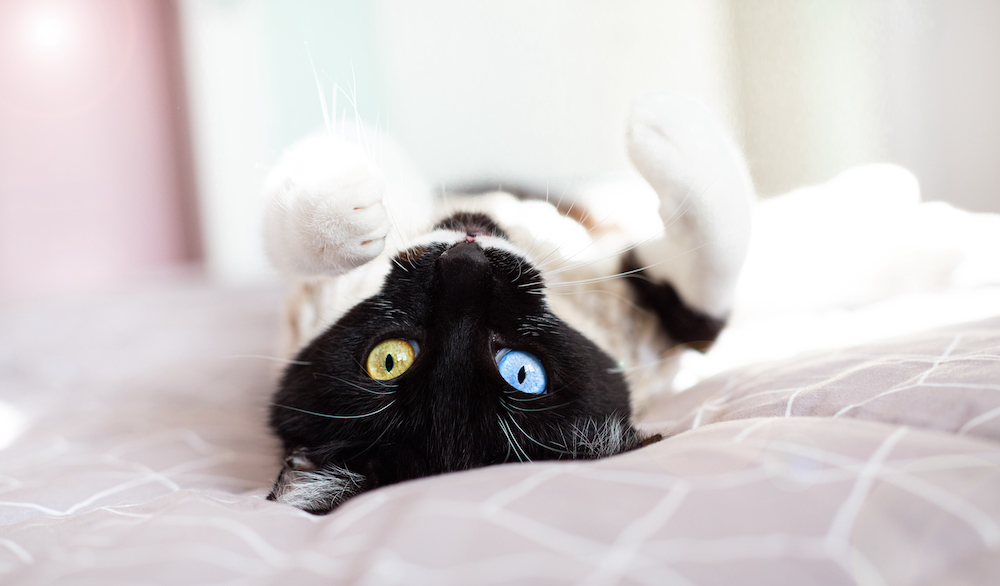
(464, 274)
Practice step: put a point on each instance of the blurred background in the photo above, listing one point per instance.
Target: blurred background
(135, 134)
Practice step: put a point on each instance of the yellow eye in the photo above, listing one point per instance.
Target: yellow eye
(391, 358)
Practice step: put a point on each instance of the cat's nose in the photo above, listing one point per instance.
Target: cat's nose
(464, 272)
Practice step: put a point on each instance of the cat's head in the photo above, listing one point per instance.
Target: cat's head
(456, 363)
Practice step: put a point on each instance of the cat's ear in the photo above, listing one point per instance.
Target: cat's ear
(312, 488)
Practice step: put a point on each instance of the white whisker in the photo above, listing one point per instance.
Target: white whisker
(319, 87)
(550, 448)
(274, 358)
(376, 412)
(626, 273)
(510, 440)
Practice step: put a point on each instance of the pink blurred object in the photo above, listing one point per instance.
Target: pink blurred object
(94, 181)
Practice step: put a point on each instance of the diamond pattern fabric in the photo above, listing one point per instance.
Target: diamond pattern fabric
(137, 454)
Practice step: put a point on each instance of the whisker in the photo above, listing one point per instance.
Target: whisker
(376, 412)
(274, 358)
(625, 273)
(510, 441)
(319, 86)
(650, 364)
(604, 258)
(541, 262)
(593, 240)
(531, 284)
(517, 443)
(675, 216)
(523, 410)
(396, 262)
(355, 385)
(678, 212)
(602, 292)
(550, 448)
(375, 442)
(520, 270)
(333, 108)
(526, 400)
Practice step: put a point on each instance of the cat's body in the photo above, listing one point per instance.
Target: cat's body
(461, 281)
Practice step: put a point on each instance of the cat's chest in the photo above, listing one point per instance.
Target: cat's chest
(606, 312)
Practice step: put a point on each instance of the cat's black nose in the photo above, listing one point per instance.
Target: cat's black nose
(463, 273)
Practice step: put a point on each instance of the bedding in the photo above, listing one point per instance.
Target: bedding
(134, 452)
(844, 429)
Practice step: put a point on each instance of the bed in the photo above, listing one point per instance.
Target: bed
(134, 452)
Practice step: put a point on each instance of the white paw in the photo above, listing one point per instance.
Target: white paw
(705, 196)
(679, 147)
(326, 214)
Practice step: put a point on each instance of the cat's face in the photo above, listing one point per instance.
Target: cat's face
(456, 363)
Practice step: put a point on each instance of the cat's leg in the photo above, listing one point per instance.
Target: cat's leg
(688, 274)
(331, 208)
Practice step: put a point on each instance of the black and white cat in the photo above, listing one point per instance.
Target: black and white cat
(440, 333)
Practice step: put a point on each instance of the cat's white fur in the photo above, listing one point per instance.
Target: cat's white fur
(317, 489)
(339, 212)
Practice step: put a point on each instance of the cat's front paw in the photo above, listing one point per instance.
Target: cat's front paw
(326, 214)
(705, 196)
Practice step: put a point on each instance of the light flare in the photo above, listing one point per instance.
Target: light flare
(49, 30)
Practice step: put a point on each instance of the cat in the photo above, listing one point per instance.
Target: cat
(436, 333)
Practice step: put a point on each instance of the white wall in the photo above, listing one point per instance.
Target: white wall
(941, 67)
(828, 84)
(536, 90)
(224, 57)
(810, 88)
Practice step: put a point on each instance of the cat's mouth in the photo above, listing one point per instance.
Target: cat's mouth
(462, 228)
(473, 225)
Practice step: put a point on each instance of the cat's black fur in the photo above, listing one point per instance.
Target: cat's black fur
(684, 325)
(451, 410)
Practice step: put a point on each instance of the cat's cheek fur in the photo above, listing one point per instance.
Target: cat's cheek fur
(599, 439)
(316, 491)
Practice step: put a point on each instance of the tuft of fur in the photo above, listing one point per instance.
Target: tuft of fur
(316, 491)
(593, 439)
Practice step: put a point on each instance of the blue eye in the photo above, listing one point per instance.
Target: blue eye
(522, 371)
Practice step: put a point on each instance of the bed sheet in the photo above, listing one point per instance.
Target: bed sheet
(135, 453)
